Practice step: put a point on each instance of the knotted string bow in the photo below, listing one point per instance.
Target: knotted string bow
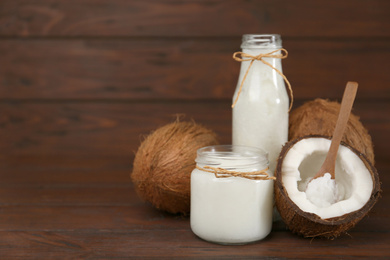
(241, 56)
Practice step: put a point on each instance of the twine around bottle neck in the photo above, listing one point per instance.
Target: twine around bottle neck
(241, 56)
(223, 173)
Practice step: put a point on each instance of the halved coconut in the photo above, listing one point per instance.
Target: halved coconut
(356, 178)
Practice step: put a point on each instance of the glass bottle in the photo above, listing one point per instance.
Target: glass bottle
(260, 114)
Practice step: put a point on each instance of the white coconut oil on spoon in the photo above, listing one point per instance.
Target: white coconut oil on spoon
(322, 190)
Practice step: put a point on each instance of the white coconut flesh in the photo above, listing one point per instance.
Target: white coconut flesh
(353, 179)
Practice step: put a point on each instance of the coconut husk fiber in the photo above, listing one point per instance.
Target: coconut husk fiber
(319, 117)
(164, 162)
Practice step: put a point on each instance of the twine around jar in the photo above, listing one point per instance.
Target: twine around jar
(241, 56)
(223, 173)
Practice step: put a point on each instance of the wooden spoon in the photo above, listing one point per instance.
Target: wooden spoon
(329, 164)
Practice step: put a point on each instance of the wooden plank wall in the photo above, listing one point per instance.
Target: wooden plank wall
(82, 81)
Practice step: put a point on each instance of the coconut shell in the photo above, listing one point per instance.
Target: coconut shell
(164, 162)
(309, 224)
(319, 117)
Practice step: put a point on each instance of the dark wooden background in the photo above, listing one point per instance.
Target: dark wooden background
(82, 81)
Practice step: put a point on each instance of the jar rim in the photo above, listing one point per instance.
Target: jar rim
(231, 152)
(261, 41)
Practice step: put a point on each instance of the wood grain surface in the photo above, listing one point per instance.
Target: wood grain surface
(302, 18)
(83, 82)
(181, 69)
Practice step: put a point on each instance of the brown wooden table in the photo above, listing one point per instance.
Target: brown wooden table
(90, 216)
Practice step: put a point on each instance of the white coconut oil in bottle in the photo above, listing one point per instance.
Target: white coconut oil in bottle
(260, 114)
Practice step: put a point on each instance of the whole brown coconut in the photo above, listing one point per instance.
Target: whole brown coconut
(164, 162)
(309, 224)
(318, 117)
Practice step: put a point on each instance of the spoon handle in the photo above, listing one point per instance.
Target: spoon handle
(342, 120)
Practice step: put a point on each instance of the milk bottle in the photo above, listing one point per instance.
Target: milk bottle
(260, 112)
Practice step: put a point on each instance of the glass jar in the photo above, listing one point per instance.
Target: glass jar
(260, 114)
(229, 209)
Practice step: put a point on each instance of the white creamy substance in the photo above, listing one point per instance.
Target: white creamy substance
(302, 162)
(323, 191)
(231, 210)
(260, 116)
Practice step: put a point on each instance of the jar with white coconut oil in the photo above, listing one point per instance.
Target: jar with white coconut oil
(261, 102)
(231, 194)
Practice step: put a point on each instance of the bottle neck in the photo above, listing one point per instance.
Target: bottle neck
(256, 44)
(258, 65)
